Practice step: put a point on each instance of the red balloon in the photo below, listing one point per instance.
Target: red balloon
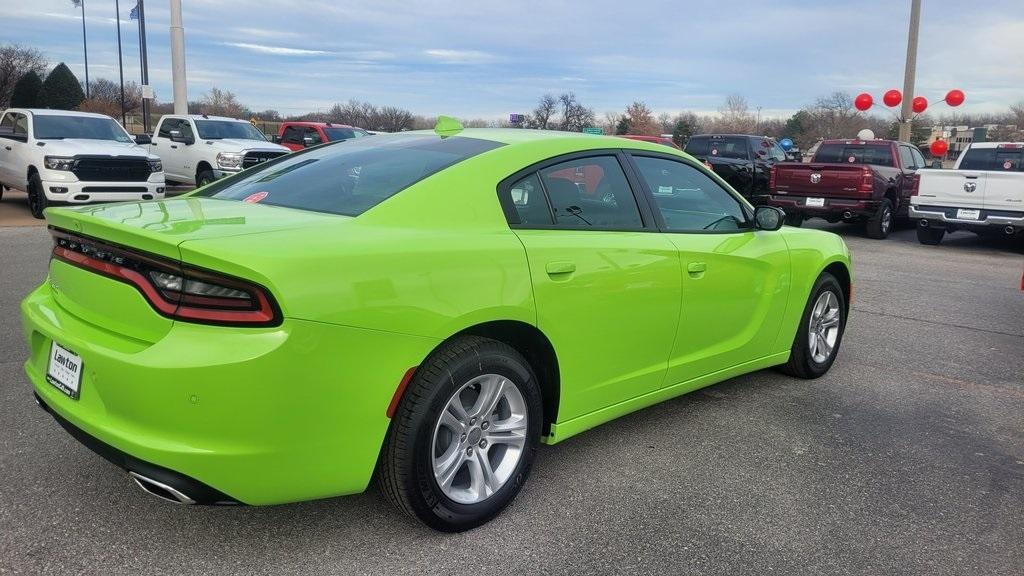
(892, 98)
(863, 101)
(939, 148)
(955, 97)
(919, 104)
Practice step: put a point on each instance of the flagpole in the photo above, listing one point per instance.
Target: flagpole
(144, 61)
(85, 49)
(120, 60)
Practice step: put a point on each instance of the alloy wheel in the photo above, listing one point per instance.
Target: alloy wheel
(823, 330)
(479, 438)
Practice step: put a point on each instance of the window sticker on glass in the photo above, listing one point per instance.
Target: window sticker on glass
(665, 191)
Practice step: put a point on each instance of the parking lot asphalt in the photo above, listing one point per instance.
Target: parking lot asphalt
(907, 458)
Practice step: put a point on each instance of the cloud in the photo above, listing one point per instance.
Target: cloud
(276, 50)
(459, 56)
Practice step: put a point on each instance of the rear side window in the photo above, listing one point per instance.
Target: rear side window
(876, 154)
(728, 147)
(697, 146)
(348, 179)
(591, 193)
(998, 159)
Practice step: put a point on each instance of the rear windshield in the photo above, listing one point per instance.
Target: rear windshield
(1001, 159)
(348, 179)
(719, 147)
(344, 133)
(49, 127)
(877, 154)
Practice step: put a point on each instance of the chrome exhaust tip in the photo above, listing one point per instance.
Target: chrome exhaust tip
(1009, 230)
(847, 215)
(160, 490)
(922, 223)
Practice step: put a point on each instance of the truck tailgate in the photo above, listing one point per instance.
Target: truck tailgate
(960, 188)
(1004, 191)
(821, 180)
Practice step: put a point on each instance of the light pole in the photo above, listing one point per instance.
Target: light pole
(910, 71)
(120, 59)
(178, 59)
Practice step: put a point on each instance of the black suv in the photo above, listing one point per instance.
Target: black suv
(742, 160)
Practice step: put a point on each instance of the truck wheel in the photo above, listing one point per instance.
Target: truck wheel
(794, 220)
(464, 436)
(204, 178)
(879, 225)
(820, 332)
(930, 236)
(37, 201)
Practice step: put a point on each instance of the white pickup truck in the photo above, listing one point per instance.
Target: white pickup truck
(74, 157)
(198, 149)
(984, 193)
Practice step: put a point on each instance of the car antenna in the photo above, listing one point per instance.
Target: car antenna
(447, 126)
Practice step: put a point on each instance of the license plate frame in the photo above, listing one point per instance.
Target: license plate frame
(968, 214)
(814, 202)
(64, 370)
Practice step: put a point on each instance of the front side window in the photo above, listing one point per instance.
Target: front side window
(13, 124)
(172, 124)
(313, 135)
(918, 157)
(52, 127)
(220, 129)
(907, 158)
(343, 133)
(688, 199)
(292, 135)
(348, 179)
(591, 193)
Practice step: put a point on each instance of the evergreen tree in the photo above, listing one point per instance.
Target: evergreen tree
(61, 90)
(26, 91)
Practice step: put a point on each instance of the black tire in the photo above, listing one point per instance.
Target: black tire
(794, 220)
(880, 223)
(405, 473)
(37, 201)
(930, 235)
(801, 362)
(204, 178)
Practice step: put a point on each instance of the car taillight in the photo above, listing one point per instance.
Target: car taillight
(915, 184)
(771, 180)
(173, 290)
(867, 181)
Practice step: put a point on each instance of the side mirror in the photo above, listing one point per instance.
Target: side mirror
(307, 141)
(768, 218)
(936, 164)
(143, 139)
(177, 136)
(275, 139)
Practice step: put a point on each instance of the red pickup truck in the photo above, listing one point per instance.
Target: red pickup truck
(299, 135)
(866, 181)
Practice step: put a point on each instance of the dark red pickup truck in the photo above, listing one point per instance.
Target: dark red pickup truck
(866, 181)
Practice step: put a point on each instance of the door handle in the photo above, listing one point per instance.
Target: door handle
(152, 143)
(173, 146)
(7, 147)
(554, 268)
(696, 267)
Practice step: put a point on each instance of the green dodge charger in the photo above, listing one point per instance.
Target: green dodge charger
(426, 307)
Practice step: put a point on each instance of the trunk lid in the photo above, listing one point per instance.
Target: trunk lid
(154, 229)
(821, 180)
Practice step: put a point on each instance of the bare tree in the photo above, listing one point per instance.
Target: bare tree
(835, 116)
(222, 103)
(15, 61)
(108, 91)
(641, 120)
(575, 116)
(734, 116)
(610, 122)
(543, 113)
(393, 119)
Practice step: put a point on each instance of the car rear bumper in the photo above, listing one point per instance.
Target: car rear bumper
(795, 204)
(257, 416)
(986, 218)
(84, 192)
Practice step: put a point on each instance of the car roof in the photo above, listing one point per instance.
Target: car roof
(321, 124)
(50, 112)
(859, 141)
(523, 136)
(717, 135)
(996, 144)
(205, 117)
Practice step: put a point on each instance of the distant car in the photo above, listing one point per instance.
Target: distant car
(59, 157)
(852, 180)
(299, 135)
(742, 160)
(984, 193)
(429, 306)
(653, 139)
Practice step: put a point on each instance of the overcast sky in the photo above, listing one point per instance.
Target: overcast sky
(484, 58)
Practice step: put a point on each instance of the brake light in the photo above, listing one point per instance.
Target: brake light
(867, 182)
(173, 290)
(771, 180)
(915, 185)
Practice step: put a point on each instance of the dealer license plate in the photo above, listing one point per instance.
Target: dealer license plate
(966, 214)
(816, 202)
(64, 370)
